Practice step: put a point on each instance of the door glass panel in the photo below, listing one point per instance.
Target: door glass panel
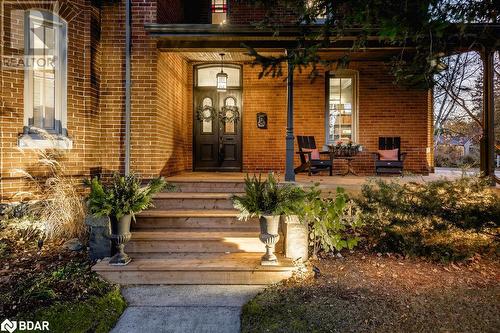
(207, 122)
(230, 104)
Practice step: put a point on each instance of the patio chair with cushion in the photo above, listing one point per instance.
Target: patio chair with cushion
(389, 159)
(310, 156)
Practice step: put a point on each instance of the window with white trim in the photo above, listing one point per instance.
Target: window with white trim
(342, 111)
(45, 87)
(219, 11)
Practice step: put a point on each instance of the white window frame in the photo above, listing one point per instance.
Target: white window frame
(343, 73)
(61, 42)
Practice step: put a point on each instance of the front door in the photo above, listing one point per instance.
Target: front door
(217, 129)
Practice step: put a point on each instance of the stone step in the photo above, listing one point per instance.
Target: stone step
(192, 200)
(194, 241)
(192, 219)
(223, 269)
(208, 186)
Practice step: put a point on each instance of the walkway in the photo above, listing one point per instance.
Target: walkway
(181, 308)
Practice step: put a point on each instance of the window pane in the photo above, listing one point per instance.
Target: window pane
(37, 98)
(219, 6)
(207, 124)
(207, 76)
(44, 53)
(229, 126)
(341, 109)
(49, 100)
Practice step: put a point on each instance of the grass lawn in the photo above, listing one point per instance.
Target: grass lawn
(55, 285)
(364, 292)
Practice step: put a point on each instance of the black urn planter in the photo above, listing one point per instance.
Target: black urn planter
(120, 235)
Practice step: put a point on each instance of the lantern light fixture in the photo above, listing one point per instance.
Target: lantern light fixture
(221, 76)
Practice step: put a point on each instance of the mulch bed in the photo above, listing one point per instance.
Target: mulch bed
(33, 277)
(366, 292)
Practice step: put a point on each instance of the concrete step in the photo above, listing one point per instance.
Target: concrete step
(192, 219)
(179, 240)
(209, 186)
(223, 269)
(192, 200)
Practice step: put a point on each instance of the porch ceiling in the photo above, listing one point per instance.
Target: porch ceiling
(214, 55)
(241, 55)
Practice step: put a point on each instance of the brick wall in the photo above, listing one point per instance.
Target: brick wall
(145, 155)
(174, 123)
(248, 12)
(111, 88)
(170, 11)
(82, 125)
(384, 110)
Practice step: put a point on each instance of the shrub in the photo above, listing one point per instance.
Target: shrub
(333, 222)
(60, 206)
(452, 157)
(268, 197)
(443, 219)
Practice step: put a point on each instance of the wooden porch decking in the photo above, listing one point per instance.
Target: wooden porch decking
(351, 183)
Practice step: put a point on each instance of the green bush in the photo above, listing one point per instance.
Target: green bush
(333, 222)
(268, 197)
(443, 219)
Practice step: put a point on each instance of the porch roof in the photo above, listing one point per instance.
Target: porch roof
(191, 36)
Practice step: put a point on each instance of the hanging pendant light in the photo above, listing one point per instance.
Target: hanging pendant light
(221, 77)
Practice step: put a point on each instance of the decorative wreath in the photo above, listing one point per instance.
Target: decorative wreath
(205, 112)
(229, 114)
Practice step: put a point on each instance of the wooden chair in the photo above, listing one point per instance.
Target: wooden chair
(306, 145)
(389, 166)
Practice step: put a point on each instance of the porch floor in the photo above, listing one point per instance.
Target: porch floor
(350, 182)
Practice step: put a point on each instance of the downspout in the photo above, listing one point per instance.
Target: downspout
(127, 84)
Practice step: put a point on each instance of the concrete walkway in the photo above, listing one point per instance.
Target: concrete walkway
(184, 308)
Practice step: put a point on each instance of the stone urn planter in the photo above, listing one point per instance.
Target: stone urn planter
(120, 235)
(269, 225)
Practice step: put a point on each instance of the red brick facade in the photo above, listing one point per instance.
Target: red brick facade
(162, 98)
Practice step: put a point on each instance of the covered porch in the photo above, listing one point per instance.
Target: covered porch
(383, 109)
(188, 140)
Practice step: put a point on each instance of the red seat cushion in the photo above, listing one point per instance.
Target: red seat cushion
(314, 154)
(389, 155)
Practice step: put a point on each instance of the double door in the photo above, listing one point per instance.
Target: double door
(217, 130)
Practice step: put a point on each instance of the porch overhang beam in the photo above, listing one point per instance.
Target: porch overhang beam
(460, 38)
(167, 42)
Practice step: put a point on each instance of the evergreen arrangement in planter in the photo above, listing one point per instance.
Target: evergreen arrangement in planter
(268, 200)
(120, 201)
(345, 148)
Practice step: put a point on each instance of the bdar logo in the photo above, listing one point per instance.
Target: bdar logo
(8, 325)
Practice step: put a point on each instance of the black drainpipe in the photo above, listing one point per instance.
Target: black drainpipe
(127, 84)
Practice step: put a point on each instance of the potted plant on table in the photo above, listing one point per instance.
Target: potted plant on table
(268, 200)
(121, 200)
(345, 148)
